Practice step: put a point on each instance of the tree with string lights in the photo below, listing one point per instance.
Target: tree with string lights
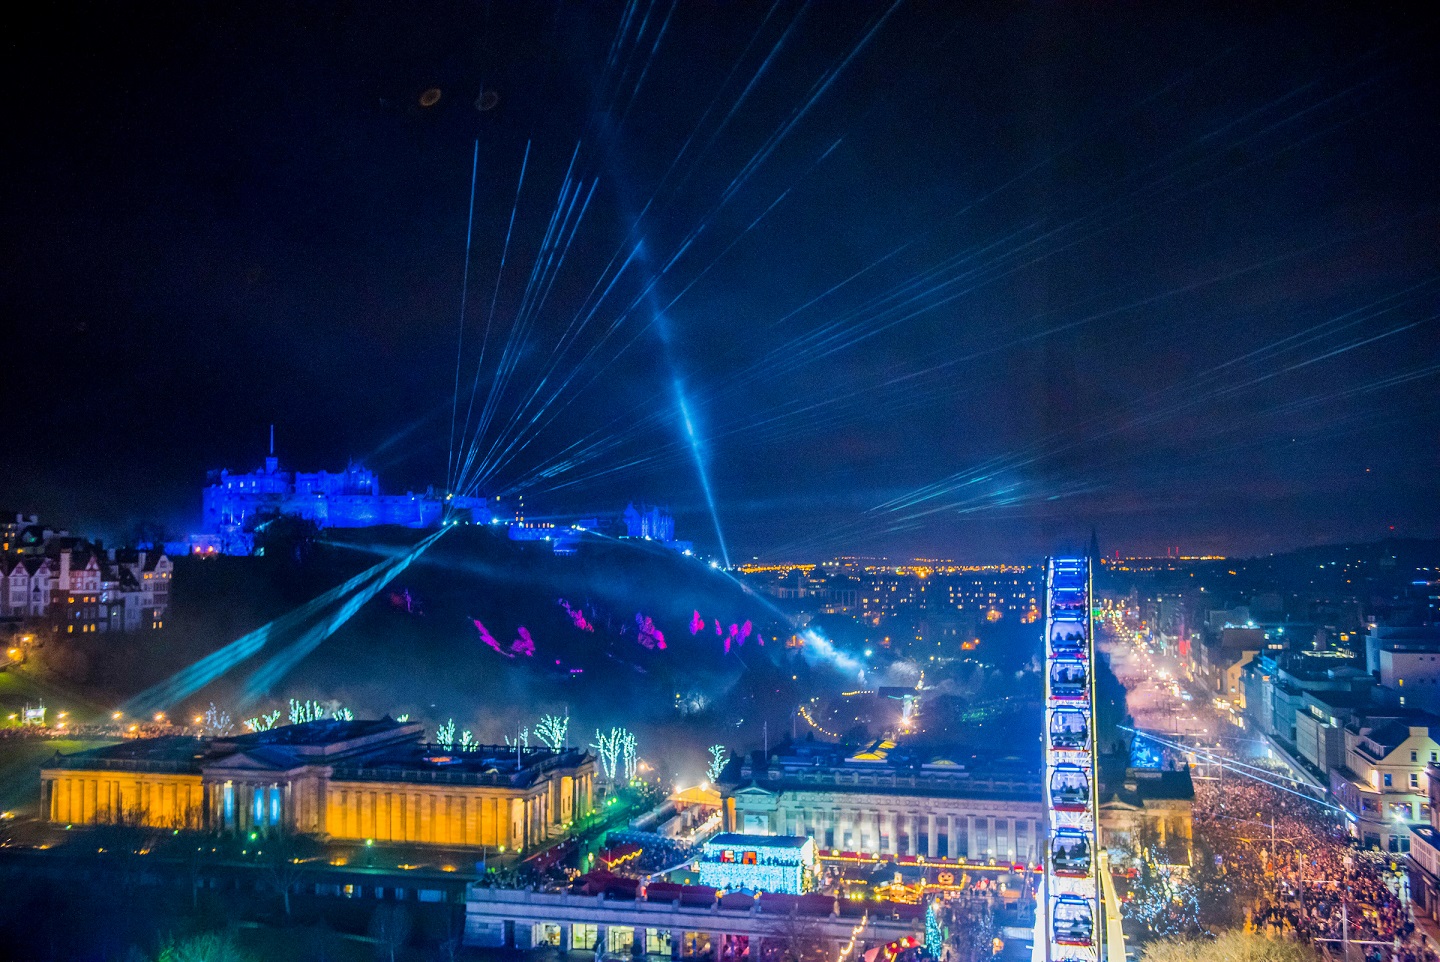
(719, 757)
(552, 730)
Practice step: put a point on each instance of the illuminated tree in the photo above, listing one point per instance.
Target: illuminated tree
(262, 723)
(552, 730)
(217, 722)
(445, 735)
(343, 714)
(718, 758)
(521, 741)
(934, 933)
(629, 757)
(206, 947)
(607, 749)
(1162, 898)
(403, 718)
(305, 711)
(467, 741)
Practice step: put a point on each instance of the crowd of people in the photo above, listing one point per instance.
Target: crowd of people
(657, 852)
(1289, 858)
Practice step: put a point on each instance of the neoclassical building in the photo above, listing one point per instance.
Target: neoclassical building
(883, 802)
(337, 779)
(1150, 806)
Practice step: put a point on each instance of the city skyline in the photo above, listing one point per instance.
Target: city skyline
(1171, 279)
(659, 480)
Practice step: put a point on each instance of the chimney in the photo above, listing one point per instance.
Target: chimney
(64, 583)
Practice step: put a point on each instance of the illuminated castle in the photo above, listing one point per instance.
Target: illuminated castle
(234, 504)
(648, 522)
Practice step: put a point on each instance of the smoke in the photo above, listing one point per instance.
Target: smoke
(821, 650)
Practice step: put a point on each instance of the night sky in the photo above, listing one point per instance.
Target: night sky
(926, 279)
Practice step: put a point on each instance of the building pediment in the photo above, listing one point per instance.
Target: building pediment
(246, 762)
(753, 791)
(1115, 804)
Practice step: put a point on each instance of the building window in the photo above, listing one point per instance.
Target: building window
(1388, 780)
(1414, 756)
(1414, 780)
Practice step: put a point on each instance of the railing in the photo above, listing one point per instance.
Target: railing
(541, 903)
(427, 776)
(126, 765)
(944, 782)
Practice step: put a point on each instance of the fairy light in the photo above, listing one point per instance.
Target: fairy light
(855, 936)
(805, 714)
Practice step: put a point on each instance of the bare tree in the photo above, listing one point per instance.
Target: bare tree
(449, 946)
(390, 927)
(797, 939)
(286, 856)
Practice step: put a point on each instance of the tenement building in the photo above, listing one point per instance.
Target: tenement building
(879, 800)
(331, 778)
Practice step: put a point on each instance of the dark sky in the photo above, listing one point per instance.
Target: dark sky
(927, 280)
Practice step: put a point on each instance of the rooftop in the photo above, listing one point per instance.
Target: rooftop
(737, 840)
(361, 750)
(898, 770)
(1143, 785)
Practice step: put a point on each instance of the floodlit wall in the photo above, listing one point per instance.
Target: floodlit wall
(107, 798)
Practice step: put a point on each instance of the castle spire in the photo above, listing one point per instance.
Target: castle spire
(272, 440)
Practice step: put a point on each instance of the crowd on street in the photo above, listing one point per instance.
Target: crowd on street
(1292, 859)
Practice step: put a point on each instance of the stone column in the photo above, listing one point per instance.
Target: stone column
(602, 939)
(990, 835)
(932, 843)
(565, 935)
(970, 852)
(914, 836)
(637, 941)
(677, 943)
(952, 844)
